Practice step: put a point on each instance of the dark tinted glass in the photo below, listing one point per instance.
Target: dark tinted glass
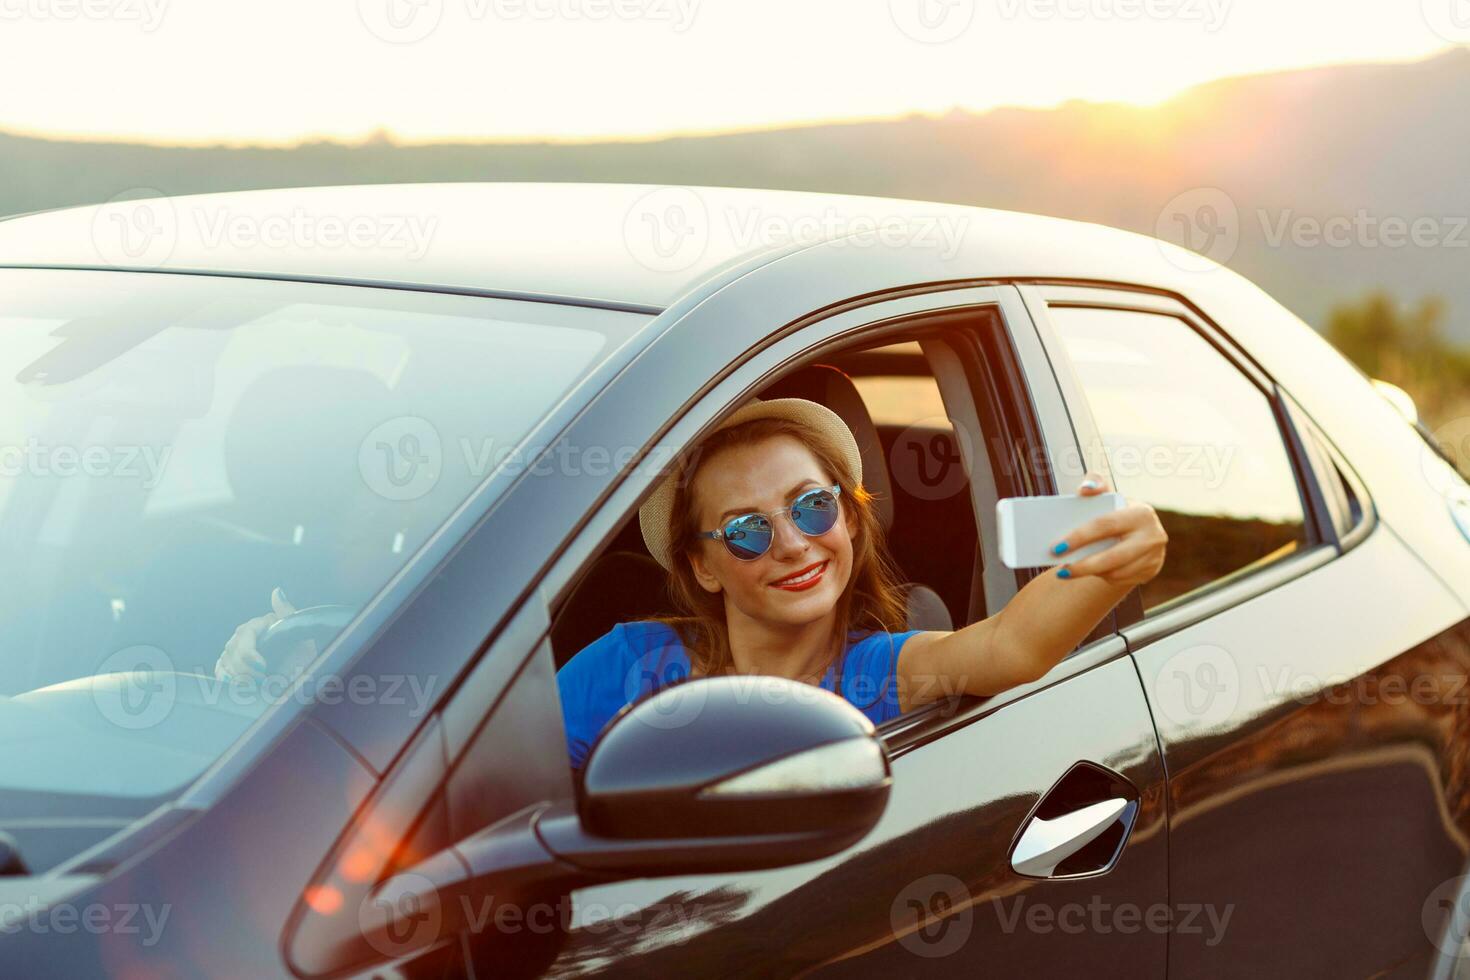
(1185, 431)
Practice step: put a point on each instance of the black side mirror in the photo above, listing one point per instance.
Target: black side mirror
(762, 770)
(711, 775)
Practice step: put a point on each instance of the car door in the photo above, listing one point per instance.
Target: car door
(1299, 660)
(1068, 765)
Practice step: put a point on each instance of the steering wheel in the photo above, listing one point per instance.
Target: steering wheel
(292, 642)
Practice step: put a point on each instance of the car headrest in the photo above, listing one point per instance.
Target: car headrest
(926, 610)
(826, 385)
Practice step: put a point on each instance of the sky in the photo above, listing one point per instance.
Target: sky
(278, 71)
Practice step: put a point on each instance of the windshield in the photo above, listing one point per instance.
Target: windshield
(173, 448)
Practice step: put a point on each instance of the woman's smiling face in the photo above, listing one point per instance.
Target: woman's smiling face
(764, 477)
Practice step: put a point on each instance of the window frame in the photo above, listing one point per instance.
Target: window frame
(806, 341)
(1329, 466)
(1323, 543)
(1008, 383)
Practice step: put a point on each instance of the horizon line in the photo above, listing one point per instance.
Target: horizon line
(384, 135)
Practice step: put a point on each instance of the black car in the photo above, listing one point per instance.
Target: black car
(428, 415)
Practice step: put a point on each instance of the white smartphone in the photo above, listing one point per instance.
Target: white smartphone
(1029, 527)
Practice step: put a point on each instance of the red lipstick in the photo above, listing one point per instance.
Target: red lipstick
(809, 583)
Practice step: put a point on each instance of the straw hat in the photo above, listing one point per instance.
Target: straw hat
(654, 515)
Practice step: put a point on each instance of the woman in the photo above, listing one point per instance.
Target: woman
(778, 566)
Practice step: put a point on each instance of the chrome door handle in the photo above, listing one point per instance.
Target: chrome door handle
(1046, 843)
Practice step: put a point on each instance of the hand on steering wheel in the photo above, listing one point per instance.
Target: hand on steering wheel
(241, 657)
(283, 641)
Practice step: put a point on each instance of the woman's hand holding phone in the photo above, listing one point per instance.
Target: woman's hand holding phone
(1047, 618)
(1136, 555)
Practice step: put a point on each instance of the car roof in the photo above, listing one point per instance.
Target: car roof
(631, 246)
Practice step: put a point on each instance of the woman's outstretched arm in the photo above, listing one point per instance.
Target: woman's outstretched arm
(1045, 620)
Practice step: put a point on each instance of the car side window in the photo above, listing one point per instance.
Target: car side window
(1348, 512)
(1186, 431)
(1344, 500)
(891, 399)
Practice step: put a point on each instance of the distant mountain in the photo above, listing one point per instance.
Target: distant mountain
(1327, 171)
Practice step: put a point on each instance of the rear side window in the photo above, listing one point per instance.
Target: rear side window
(1187, 432)
(1342, 494)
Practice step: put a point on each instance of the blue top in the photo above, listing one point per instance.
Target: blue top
(633, 660)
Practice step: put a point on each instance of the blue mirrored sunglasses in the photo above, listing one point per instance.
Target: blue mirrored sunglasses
(749, 536)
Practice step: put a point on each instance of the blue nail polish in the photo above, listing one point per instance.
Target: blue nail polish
(1064, 573)
(1059, 548)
